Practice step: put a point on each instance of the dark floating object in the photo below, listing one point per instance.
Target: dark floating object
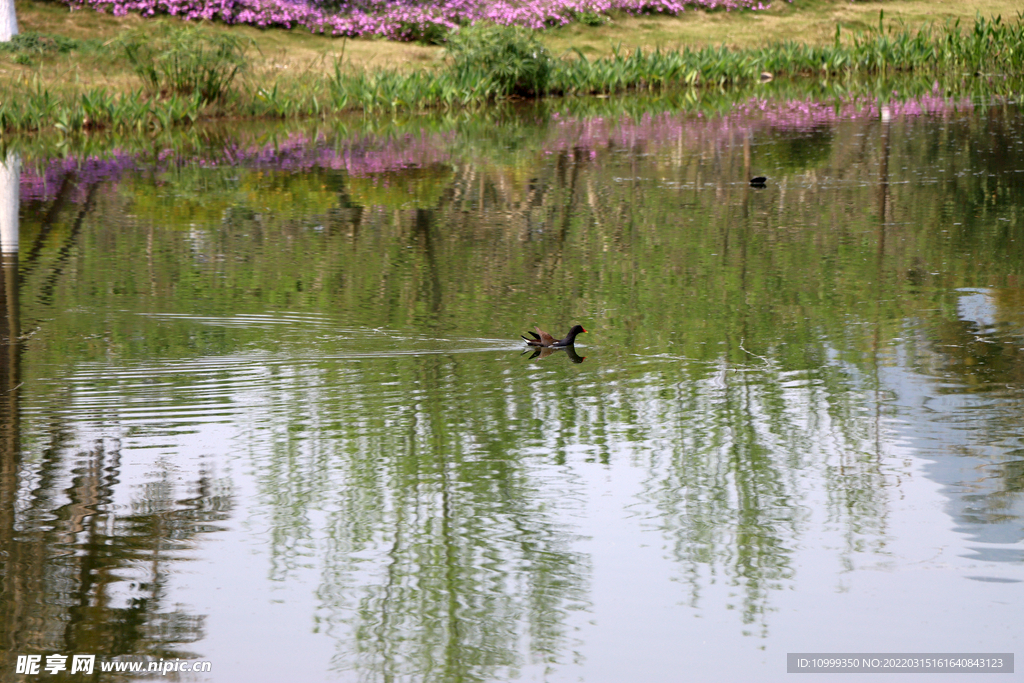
(759, 181)
(542, 338)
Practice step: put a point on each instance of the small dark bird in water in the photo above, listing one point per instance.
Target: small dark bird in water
(759, 181)
(542, 338)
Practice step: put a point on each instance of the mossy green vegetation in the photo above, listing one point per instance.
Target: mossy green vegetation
(190, 73)
(33, 42)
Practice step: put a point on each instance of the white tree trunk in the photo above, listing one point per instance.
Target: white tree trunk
(10, 194)
(8, 21)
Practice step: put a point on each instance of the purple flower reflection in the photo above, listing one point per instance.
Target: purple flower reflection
(366, 155)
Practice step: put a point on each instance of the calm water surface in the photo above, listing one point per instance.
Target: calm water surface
(268, 406)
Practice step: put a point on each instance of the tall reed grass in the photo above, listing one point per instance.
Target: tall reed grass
(190, 61)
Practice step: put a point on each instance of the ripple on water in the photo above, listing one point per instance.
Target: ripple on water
(329, 362)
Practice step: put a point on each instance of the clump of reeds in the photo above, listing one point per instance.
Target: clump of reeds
(190, 61)
(507, 60)
(483, 63)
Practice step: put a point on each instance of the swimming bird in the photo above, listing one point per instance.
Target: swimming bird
(542, 338)
(759, 181)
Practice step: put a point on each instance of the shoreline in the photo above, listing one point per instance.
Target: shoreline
(72, 84)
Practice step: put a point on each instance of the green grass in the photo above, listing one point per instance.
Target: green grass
(189, 73)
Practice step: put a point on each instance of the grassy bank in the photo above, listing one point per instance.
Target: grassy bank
(83, 74)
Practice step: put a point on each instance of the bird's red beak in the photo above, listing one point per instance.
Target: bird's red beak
(584, 328)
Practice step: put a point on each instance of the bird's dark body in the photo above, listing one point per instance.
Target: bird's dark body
(542, 338)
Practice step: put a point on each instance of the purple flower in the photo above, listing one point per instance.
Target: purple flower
(401, 19)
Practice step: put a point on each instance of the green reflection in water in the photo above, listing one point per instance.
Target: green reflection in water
(353, 328)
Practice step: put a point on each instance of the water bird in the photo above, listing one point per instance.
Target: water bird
(542, 338)
(759, 181)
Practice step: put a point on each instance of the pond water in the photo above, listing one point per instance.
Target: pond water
(268, 406)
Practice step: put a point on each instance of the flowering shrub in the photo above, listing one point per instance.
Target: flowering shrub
(402, 19)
